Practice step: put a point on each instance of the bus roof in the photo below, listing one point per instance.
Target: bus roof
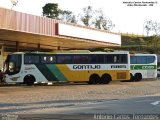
(116, 52)
(141, 54)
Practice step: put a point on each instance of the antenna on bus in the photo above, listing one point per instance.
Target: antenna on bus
(14, 3)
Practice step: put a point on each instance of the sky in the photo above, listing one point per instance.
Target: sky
(127, 19)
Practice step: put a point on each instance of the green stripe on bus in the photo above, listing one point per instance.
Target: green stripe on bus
(142, 67)
(46, 72)
(53, 68)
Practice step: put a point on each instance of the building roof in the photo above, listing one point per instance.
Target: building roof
(30, 31)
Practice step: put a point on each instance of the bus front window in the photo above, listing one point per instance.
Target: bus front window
(13, 64)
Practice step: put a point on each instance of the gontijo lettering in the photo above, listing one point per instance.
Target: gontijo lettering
(86, 66)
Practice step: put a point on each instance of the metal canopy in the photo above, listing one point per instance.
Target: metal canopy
(25, 32)
(28, 40)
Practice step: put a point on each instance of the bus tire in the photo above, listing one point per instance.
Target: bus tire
(29, 80)
(105, 79)
(138, 77)
(94, 79)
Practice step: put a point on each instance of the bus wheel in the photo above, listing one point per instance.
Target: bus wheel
(29, 80)
(94, 79)
(137, 77)
(105, 79)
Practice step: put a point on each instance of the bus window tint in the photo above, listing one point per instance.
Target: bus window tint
(122, 58)
(48, 59)
(133, 59)
(150, 59)
(52, 59)
(31, 59)
(64, 59)
(109, 58)
(141, 60)
(96, 59)
(81, 59)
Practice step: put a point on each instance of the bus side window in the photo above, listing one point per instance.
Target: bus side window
(48, 59)
(133, 59)
(80, 59)
(141, 59)
(115, 59)
(123, 58)
(96, 58)
(64, 59)
(43, 59)
(84, 59)
(31, 59)
(111, 58)
(76, 59)
(150, 59)
(108, 58)
(52, 59)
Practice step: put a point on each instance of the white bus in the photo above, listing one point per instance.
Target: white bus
(143, 66)
(91, 67)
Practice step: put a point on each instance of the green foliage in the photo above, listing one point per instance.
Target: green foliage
(96, 18)
(89, 17)
(136, 44)
(141, 44)
(102, 49)
(96, 49)
(51, 10)
(133, 40)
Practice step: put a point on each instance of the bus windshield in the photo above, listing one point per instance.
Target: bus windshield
(13, 64)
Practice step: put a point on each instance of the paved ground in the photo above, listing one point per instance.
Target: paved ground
(57, 98)
(141, 108)
(140, 105)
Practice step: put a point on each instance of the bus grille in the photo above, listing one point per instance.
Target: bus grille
(121, 75)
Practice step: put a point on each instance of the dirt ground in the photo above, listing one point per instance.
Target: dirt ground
(29, 99)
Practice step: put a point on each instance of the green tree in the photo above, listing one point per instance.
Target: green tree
(101, 21)
(51, 10)
(67, 16)
(153, 42)
(95, 18)
(86, 16)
